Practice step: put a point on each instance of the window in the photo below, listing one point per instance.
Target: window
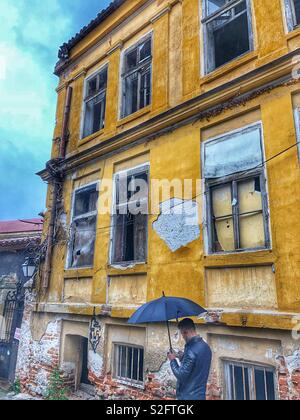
(297, 122)
(293, 13)
(227, 31)
(83, 228)
(130, 225)
(136, 78)
(129, 364)
(248, 382)
(237, 205)
(95, 103)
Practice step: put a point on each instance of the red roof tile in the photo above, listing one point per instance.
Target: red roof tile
(21, 226)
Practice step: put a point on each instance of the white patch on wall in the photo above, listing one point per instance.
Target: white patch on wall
(293, 361)
(95, 363)
(178, 223)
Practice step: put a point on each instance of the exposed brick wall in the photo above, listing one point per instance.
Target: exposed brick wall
(37, 359)
(109, 389)
(288, 379)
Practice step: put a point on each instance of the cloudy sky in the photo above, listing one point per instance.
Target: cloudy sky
(30, 33)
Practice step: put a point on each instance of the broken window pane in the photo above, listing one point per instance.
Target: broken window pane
(131, 93)
(251, 220)
(223, 218)
(83, 229)
(84, 234)
(237, 209)
(131, 59)
(227, 34)
(94, 115)
(295, 10)
(86, 201)
(145, 50)
(234, 153)
(95, 104)
(214, 5)
(145, 89)
(131, 218)
(137, 78)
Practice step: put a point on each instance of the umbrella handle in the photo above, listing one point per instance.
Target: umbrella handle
(169, 333)
(168, 326)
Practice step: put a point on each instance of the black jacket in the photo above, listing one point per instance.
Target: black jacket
(192, 375)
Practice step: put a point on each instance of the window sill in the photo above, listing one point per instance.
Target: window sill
(229, 67)
(294, 33)
(135, 116)
(93, 136)
(78, 272)
(130, 384)
(255, 256)
(132, 268)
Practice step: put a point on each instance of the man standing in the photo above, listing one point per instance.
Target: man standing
(192, 375)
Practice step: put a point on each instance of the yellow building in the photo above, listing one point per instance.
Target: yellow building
(200, 93)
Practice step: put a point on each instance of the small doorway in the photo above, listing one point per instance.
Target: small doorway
(76, 352)
(85, 370)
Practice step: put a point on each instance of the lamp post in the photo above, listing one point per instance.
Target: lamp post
(28, 268)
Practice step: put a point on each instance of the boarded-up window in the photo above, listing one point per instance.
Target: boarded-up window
(248, 382)
(136, 77)
(95, 103)
(83, 228)
(236, 192)
(130, 219)
(228, 31)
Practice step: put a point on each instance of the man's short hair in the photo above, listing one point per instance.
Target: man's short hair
(187, 324)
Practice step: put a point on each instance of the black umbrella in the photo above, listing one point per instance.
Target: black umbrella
(166, 309)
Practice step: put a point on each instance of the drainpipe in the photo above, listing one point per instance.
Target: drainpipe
(62, 155)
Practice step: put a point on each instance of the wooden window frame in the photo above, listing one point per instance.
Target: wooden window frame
(101, 94)
(230, 389)
(75, 219)
(297, 123)
(234, 180)
(296, 24)
(130, 172)
(142, 68)
(209, 60)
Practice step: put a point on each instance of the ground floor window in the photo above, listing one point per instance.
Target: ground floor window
(249, 382)
(129, 364)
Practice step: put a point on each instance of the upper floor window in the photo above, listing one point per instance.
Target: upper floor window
(137, 77)
(297, 122)
(245, 382)
(130, 226)
(293, 13)
(237, 204)
(227, 31)
(95, 103)
(83, 227)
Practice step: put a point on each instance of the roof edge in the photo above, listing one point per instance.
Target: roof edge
(64, 50)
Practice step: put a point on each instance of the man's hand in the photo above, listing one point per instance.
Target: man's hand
(171, 356)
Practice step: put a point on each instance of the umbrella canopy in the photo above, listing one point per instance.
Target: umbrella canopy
(164, 310)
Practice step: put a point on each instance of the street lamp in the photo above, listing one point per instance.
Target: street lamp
(28, 268)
